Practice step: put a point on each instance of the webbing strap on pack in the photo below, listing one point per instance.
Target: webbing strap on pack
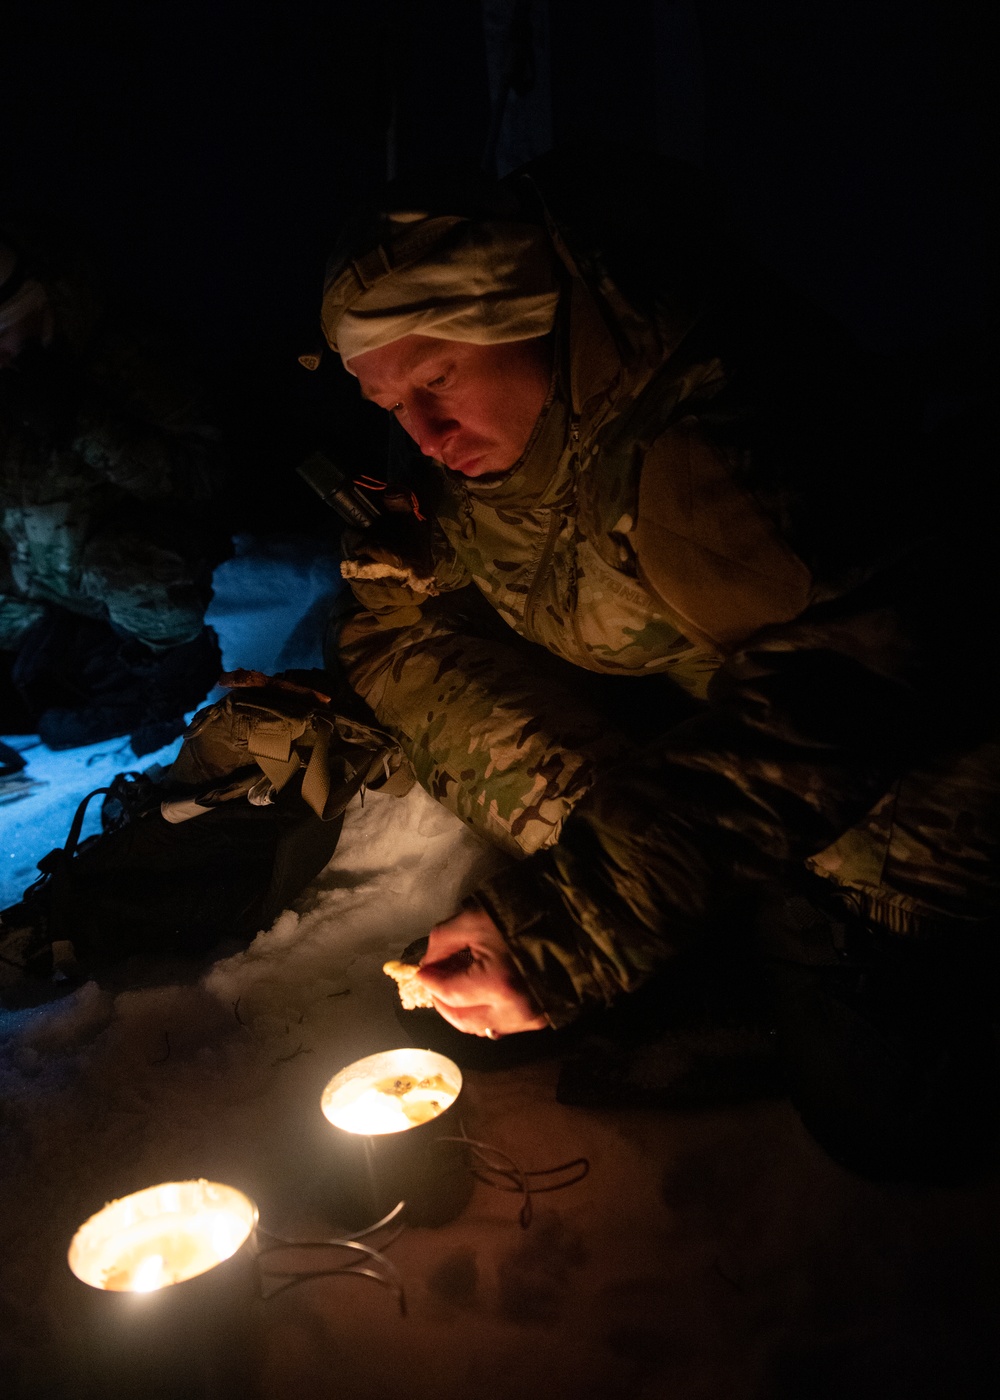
(316, 779)
(279, 773)
(270, 741)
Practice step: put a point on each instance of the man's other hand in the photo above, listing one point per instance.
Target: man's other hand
(473, 980)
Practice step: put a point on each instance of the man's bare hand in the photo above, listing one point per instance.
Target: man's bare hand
(473, 980)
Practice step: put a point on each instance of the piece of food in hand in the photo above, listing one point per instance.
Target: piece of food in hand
(412, 992)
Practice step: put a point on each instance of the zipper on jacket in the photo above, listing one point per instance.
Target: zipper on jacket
(545, 558)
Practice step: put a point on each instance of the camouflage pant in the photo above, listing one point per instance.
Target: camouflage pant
(929, 851)
(492, 727)
(510, 748)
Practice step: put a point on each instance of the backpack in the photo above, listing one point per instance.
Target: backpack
(210, 850)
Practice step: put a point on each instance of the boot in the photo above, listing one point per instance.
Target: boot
(890, 1054)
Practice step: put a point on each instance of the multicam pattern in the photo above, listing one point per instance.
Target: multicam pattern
(498, 742)
(927, 852)
(103, 464)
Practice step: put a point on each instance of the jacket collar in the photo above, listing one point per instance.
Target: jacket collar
(586, 377)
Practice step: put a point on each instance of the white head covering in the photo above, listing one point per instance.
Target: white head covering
(483, 282)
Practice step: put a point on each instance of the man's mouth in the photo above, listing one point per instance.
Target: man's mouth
(471, 467)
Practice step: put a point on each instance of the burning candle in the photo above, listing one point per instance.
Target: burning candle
(161, 1236)
(391, 1092)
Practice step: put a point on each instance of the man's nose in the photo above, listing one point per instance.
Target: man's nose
(430, 428)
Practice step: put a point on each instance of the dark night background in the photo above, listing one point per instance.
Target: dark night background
(202, 158)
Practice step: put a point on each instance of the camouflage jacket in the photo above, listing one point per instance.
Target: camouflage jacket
(707, 498)
(107, 471)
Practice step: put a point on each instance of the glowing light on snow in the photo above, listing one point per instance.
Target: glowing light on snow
(161, 1236)
(391, 1092)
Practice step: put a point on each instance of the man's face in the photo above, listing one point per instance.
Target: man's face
(472, 407)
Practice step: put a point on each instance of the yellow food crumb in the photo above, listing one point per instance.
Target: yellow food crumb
(412, 992)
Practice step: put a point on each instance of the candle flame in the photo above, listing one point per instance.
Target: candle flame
(149, 1274)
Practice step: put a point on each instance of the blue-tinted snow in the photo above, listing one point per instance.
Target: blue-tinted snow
(272, 599)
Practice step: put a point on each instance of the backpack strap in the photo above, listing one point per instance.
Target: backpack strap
(271, 739)
(316, 779)
(278, 771)
(67, 851)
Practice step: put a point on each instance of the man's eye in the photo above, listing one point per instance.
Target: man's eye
(438, 382)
